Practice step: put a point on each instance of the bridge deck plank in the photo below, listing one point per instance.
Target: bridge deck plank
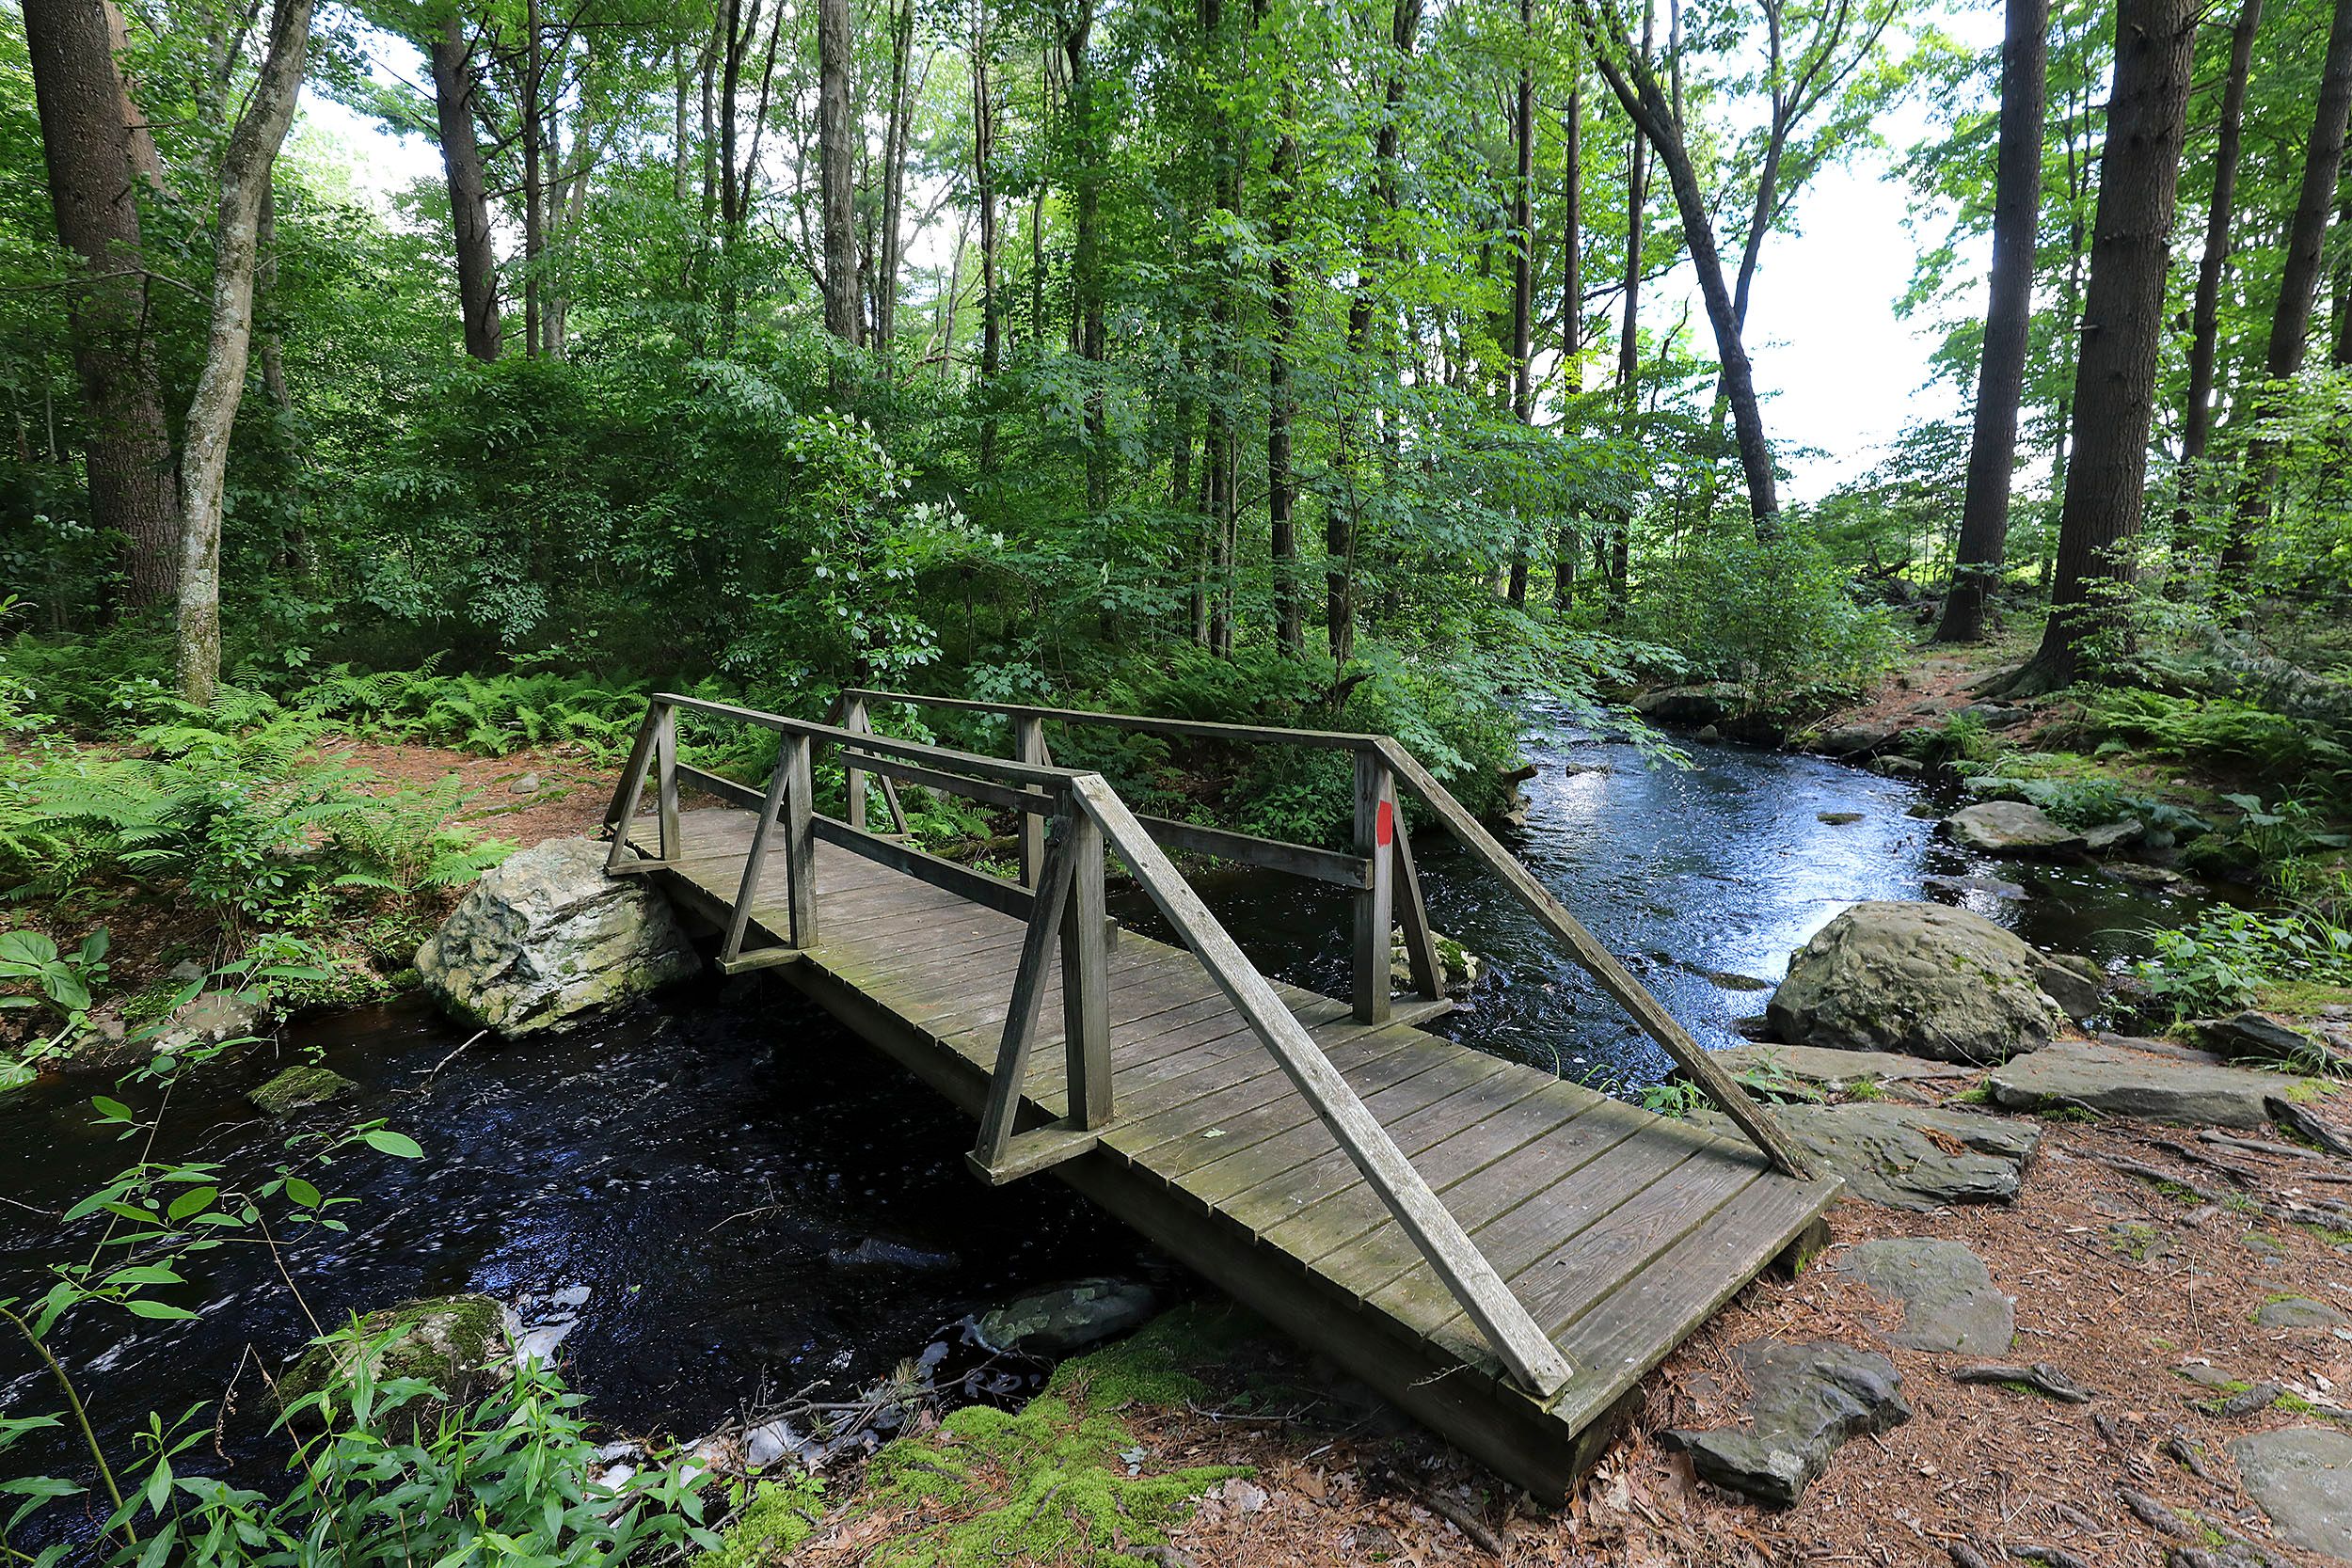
(1622, 1231)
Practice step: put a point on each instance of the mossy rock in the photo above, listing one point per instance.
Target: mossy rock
(299, 1088)
(1064, 1479)
(461, 1344)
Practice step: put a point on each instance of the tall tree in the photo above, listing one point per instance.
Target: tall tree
(1523, 269)
(1086, 261)
(99, 157)
(2001, 371)
(1571, 307)
(2115, 380)
(836, 135)
(1343, 523)
(2206, 318)
(456, 82)
(1290, 614)
(984, 192)
(245, 171)
(2298, 280)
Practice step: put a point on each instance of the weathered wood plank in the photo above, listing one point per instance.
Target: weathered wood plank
(1296, 860)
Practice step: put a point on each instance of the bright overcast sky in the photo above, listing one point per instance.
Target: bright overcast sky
(1843, 373)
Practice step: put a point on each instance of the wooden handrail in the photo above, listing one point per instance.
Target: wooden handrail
(1615, 978)
(1523, 1346)
(1191, 729)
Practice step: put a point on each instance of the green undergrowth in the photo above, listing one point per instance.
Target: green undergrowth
(1064, 1479)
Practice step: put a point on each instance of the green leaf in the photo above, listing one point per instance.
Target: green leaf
(143, 1273)
(110, 1110)
(141, 1307)
(193, 1201)
(397, 1144)
(302, 1192)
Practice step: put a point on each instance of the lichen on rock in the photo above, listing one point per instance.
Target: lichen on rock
(299, 1088)
(460, 1344)
(548, 938)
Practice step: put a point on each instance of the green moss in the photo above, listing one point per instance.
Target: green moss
(1063, 1480)
(2133, 1239)
(779, 1515)
(297, 1087)
(2300, 998)
(450, 1342)
(2327, 1233)
(2305, 1091)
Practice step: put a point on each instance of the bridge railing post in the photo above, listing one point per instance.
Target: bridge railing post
(655, 752)
(1029, 745)
(799, 839)
(1086, 976)
(1376, 833)
(853, 718)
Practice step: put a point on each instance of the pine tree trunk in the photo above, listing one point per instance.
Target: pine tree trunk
(2298, 283)
(244, 170)
(2140, 171)
(2001, 371)
(455, 81)
(1572, 314)
(2205, 320)
(984, 187)
(1290, 629)
(1523, 277)
(90, 139)
(834, 134)
(893, 177)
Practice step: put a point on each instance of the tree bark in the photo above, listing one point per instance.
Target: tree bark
(1290, 628)
(2140, 171)
(893, 177)
(1636, 88)
(2298, 283)
(2001, 369)
(984, 186)
(245, 171)
(1613, 558)
(454, 82)
(1341, 526)
(1523, 276)
(1086, 261)
(2205, 321)
(1571, 313)
(835, 132)
(97, 152)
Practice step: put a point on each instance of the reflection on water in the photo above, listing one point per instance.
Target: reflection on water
(1702, 879)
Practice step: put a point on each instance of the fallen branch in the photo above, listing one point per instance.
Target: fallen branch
(2156, 1516)
(2257, 1145)
(2042, 1377)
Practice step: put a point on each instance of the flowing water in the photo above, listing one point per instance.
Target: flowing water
(707, 1169)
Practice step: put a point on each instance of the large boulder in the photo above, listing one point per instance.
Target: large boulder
(462, 1345)
(1690, 704)
(2014, 828)
(1919, 979)
(548, 938)
(1068, 1319)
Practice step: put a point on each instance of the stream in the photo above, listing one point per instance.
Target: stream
(708, 1169)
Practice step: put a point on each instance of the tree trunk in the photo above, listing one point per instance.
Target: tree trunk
(893, 177)
(2140, 171)
(90, 139)
(2001, 371)
(984, 186)
(455, 81)
(1290, 618)
(1086, 261)
(835, 132)
(1523, 277)
(2298, 283)
(1341, 525)
(1637, 90)
(244, 170)
(1572, 313)
(1614, 582)
(2205, 328)
(535, 174)
(2342, 354)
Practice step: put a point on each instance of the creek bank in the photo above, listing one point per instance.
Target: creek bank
(2140, 1080)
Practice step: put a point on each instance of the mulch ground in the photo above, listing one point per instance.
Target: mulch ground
(2117, 1284)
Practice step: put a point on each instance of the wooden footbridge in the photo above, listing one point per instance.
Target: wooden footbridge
(1501, 1254)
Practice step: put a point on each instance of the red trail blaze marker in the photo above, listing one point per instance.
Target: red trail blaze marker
(1384, 825)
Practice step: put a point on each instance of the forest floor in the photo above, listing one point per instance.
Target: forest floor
(2131, 1292)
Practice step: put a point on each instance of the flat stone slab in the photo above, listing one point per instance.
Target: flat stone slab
(2013, 828)
(1948, 1300)
(2116, 1080)
(1806, 1400)
(2302, 1477)
(1908, 1156)
(2297, 1312)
